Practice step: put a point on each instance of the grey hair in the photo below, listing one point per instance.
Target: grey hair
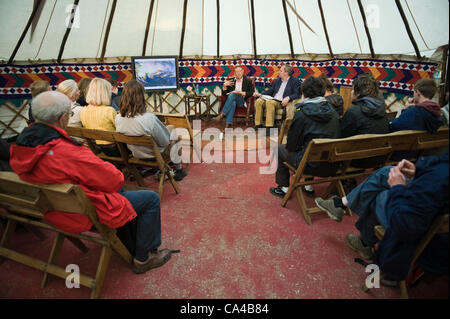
(288, 69)
(49, 106)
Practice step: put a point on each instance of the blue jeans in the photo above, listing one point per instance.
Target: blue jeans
(233, 100)
(368, 201)
(371, 195)
(142, 234)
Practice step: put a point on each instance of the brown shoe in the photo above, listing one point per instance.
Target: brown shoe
(219, 117)
(154, 260)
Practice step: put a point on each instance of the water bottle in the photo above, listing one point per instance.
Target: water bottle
(197, 90)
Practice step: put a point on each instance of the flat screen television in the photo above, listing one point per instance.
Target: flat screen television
(156, 73)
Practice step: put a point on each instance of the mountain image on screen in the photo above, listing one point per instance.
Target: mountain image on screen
(156, 74)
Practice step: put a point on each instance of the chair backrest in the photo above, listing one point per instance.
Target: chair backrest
(371, 145)
(36, 199)
(177, 120)
(350, 148)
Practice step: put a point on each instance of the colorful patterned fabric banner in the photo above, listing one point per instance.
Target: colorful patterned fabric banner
(394, 76)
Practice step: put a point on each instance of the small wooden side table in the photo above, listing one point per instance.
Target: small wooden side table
(194, 103)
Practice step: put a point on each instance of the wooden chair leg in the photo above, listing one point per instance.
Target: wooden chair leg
(173, 182)
(303, 206)
(288, 195)
(341, 191)
(403, 290)
(137, 176)
(9, 231)
(329, 189)
(79, 244)
(161, 182)
(101, 271)
(57, 244)
(36, 231)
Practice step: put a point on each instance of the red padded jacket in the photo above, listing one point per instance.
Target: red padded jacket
(47, 155)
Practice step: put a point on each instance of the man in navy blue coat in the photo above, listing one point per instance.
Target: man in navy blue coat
(405, 199)
(284, 89)
(421, 112)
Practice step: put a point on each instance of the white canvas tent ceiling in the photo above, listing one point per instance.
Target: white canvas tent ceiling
(428, 21)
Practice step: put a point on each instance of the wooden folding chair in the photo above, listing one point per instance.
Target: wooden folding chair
(340, 152)
(182, 121)
(440, 225)
(27, 203)
(158, 162)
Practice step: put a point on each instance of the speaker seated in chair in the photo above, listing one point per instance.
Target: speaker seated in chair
(285, 89)
(237, 98)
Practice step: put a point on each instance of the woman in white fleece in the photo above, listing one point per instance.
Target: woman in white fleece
(134, 120)
(70, 89)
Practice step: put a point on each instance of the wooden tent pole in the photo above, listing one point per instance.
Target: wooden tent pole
(288, 26)
(443, 87)
(30, 20)
(252, 6)
(369, 38)
(147, 28)
(408, 29)
(183, 28)
(108, 28)
(325, 28)
(69, 28)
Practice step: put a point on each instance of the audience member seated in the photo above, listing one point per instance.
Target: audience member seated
(70, 89)
(115, 97)
(83, 86)
(367, 115)
(36, 88)
(420, 113)
(405, 199)
(284, 89)
(314, 118)
(133, 120)
(334, 99)
(99, 115)
(45, 154)
(238, 90)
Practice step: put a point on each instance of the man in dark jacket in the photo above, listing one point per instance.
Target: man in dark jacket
(314, 118)
(367, 115)
(284, 89)
(420, 114)
(405, 199)
(238, 90)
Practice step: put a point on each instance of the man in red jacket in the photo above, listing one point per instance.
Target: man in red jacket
(45, 154)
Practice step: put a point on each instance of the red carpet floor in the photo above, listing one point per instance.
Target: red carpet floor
(236, 241)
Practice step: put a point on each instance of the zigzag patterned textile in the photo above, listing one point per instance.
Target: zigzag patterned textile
(394, 76)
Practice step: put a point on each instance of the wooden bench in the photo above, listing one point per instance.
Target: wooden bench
(344, 151)
(27, 203)
(126, 159)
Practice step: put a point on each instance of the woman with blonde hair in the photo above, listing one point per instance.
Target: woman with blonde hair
(134, 120)
(70, 89)
(98, 114)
